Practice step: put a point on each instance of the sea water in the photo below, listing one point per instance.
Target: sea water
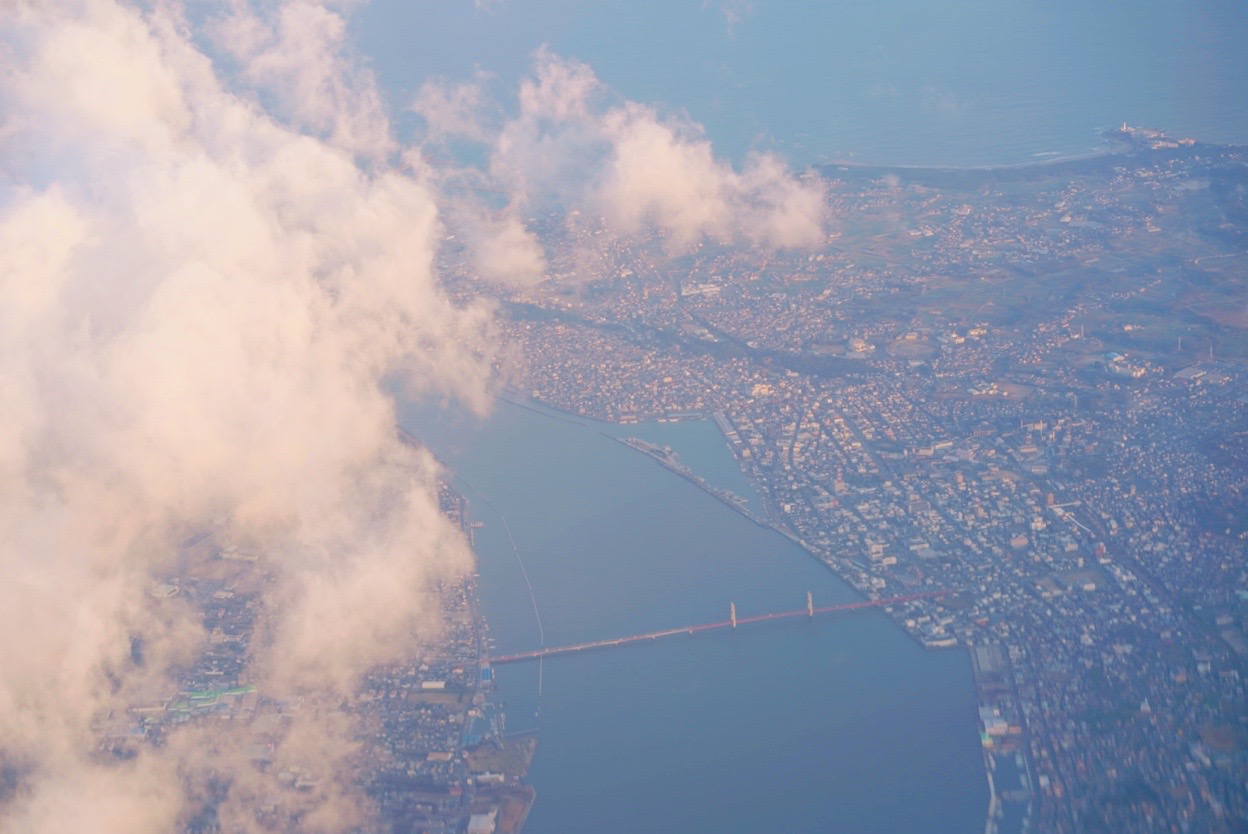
(839, 723)
(974, 82)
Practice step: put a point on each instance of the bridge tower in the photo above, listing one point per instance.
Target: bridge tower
(732, 613)
(810, 605)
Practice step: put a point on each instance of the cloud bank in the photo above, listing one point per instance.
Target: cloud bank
(571, 145)
(215, 262)
(641, 170)
(205, 280)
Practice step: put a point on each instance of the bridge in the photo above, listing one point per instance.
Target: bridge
(732, 622)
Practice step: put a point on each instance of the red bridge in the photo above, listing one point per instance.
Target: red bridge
(732, 622)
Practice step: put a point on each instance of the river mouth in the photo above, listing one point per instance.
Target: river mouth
(841, 723)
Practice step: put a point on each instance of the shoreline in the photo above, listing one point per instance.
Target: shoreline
(1120, 148)
(996, 167)
(671, 463)
(701, 483)
(512, 800)
(657, 454)
(995, 809)
(661, 456)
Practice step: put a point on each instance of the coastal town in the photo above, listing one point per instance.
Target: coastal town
(429, 751)
(1026, 387)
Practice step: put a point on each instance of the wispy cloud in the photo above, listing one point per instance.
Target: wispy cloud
(460, 109)
(734, 11)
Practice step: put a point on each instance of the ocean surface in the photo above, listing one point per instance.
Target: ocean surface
(972, 82)
(837, 724)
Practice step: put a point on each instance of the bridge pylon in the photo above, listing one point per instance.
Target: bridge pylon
(732, 613)
(810, 605)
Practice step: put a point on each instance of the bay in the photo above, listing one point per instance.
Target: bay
(840, 723)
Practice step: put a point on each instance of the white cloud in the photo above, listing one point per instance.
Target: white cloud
(294, 52)
(455, 110)
(571, 145)
(642, 170)
(502, 250)
(734, 11)
(199, 302)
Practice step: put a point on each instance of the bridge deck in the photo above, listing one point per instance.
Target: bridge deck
(694, 629)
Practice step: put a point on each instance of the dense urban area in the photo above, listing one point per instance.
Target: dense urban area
(1025, 386)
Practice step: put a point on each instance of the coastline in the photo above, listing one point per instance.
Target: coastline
(1014, 782)
(724, 496)
(669, 461)
(995, 167)
(998, 801)
(980, 680)
(499, 763)
(1119, 145)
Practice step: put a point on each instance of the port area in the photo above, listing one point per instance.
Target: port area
(1007, 756)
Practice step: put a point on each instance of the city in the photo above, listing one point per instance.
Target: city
(980, 385)
(428, 747)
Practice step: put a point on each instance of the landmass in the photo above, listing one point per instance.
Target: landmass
(1027, 386)
(432, 754)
